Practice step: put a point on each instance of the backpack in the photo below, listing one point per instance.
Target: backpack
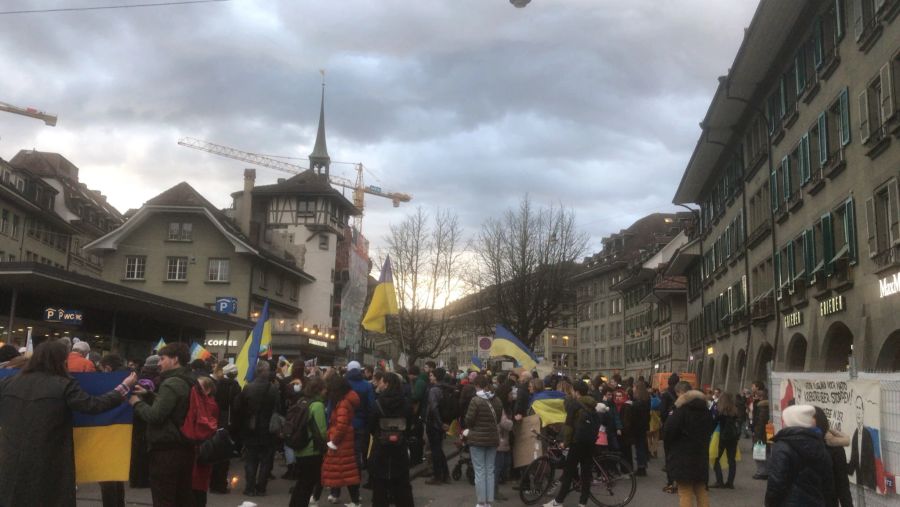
(392, 430)
(201, 421)
(730, 429)
(297, 431)
(587, 425)
(448, 405)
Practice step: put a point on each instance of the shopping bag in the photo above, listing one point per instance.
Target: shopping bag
(759, 451)
(602, 439)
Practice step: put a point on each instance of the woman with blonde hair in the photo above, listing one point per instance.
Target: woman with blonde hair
(729, 422)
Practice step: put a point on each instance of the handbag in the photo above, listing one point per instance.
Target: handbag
(217, 448)
(602, 438)
(759, 451)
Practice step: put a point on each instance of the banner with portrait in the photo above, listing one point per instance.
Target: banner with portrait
(853, 407)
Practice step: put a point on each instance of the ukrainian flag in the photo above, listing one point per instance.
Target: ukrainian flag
(506, 344)
(549, 406)
(384, 300)
(102, 442)
(159, 345)
(250, 352)
(476, 364)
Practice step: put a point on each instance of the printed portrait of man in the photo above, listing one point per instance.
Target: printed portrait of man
(865, 453)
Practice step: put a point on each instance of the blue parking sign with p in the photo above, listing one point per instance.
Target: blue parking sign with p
(226, 305)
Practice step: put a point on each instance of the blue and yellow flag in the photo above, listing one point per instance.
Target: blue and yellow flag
(102, 442)
(476, 363)
(384, 300)
(549, 406)
(250, 352)
(159, 345)
(506, 344)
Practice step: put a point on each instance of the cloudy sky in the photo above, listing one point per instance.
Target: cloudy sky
(466, 104)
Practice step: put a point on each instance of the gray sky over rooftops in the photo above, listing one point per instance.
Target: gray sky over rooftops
(465, 104)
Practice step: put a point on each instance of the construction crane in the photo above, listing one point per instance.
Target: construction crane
(49, 119)
(358, 187)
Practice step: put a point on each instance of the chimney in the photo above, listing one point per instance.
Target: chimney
(244, 212)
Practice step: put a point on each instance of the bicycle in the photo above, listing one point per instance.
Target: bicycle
(613, 480)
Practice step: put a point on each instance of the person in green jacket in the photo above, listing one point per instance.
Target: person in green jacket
(171, 455)
(309, 459)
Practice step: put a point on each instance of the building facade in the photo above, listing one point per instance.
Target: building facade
(796, 176)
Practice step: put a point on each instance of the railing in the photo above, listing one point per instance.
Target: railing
(887, 258)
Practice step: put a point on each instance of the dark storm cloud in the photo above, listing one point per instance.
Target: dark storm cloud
(468, 104)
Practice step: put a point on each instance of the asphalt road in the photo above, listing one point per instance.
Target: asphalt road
(747, 492)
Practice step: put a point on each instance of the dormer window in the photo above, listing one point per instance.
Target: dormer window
(181, 231)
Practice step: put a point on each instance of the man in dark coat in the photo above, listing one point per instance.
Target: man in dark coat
(389, 464)
(686, 435)
(666, 406)
(253, 410)
(862, 450)
(800, 466)
(227, 391)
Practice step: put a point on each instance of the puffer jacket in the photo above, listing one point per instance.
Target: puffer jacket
(686, 434)
(482, 420)
(339, 467)
(799, 469)
(165, 411)
(366, 394)
(390, 461)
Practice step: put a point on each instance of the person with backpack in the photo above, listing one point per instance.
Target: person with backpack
(366, 394)
(439, 412)
(305, 427)
(729, 422)
(579, 435)
(254, 408)
(482, 433)
(686, 435)
(200, 479)
(389, 424)
(339, 467)
(171, 454)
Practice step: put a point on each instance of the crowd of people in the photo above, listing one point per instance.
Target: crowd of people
(360, 427)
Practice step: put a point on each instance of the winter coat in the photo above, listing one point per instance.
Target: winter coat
(36, 452)
(420, 393)
(317, 418)
(390, 461)
(726, 420)
(465, 397)
(339, 467)
(626, 417)
(432, 407)
(760, 419)
(686, 434)
(253, 410)
(366, 394)
(835, 442)
(203, 473)
(165, 411)
(573, 407)
(523, 399)
(76, 363)
(640, 417)
(667, 403)
(227, 391)
(482, 420)
(799, 469)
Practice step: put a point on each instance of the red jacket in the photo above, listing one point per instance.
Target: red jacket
(79, 364)
(339, 468)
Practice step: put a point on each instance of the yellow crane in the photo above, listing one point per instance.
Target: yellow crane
(49, 119)
(358, 187)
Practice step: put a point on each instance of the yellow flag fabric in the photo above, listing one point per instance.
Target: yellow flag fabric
(259, 339)
(384, 301)
(550, 407)
(506, 344)
(714, 451)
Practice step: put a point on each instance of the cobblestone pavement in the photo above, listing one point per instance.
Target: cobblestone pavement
(747, 492)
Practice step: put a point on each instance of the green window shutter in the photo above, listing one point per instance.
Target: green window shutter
(792, 268)
(773, 189)
(809, 256)
(827, 243)
(823, 139)
(777, 270)
(786, 174)
(850, 228)
(804, 158)
(817, 40)
(800, 70)
(845, 117)
(838, 20)
(782, 92)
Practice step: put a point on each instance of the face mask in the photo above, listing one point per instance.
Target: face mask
(297, 388)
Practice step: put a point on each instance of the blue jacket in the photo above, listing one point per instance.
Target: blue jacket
(366, 394)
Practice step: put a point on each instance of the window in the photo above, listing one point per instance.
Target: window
(876, 106)
(135, 267)
(774, 109)
(306, 207)
(323, 241)
(279, 289)
(180, 231)
(4, 222)
(263, 280)
(883, 218)
(295, 291)
(218, 270)
(176, 268)
(865, 20)
(844, 238)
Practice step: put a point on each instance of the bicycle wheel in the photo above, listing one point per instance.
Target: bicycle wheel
(536, 480)
(613, 483)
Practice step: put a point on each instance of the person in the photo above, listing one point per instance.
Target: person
(862, 449)
(666, 407)
(366, 394)
(291, 392)
(482, 422)
(139, 474)
(339, 467)
(227, 390)
(435, 428)
(309, 459)
(253, 411)
(78, 361)
(729, 422)
(418, 387)
(740, 402)
(504, 450)
(389, 462)
(760, 420)
(36, 406)
(800, 470)
(835, 442)
(626, 436)
(686, 435)
(112, 493)
(654, 425)
(640, 425)
(200, 479)
(523, 395)
(580, 457)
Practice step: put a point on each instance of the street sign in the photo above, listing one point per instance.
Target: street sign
(484, 346)
(226, 305)
(63, 315)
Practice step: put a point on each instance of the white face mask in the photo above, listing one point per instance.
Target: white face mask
(297, 388)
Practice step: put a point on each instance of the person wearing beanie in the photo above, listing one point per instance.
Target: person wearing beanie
(666, 407)
(77, 361)
(800, 469)
(366, 393)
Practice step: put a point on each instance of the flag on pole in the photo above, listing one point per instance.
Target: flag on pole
(159, 345)
(29, 344)
(199, 352)
(476, 363)
(506, 344)
(384, 300)
(250, 352)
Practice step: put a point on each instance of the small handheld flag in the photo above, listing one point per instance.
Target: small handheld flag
(476, 363)
(250, 352)
(159, 345)
(384, 301)
(199, 352)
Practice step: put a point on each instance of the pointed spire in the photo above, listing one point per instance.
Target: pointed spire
(319, 159)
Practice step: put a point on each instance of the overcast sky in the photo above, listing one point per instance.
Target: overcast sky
(466, 104)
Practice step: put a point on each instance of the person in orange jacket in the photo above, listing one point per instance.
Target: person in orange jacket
(78, 361)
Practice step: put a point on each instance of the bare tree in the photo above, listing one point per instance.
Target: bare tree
(426, 252)
(526, 260)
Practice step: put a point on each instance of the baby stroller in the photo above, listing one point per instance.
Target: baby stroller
(465, 458)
